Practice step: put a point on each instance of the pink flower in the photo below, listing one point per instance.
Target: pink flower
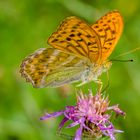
(91, 113)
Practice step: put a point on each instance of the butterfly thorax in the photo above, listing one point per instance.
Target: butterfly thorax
(94, 71)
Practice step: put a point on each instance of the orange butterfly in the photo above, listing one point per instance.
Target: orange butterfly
(79, 52)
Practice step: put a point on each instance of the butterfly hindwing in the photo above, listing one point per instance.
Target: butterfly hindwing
(51, 67)
(64, 75)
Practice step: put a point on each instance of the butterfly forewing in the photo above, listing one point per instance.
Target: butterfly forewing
(109, 29)
(51, 67)
(76, 37)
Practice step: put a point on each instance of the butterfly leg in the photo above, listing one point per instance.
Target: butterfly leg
(81, 84)
(100, 85)
(84, 78)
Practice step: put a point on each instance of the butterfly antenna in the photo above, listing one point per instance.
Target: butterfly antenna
(131, 51)
(129, 60)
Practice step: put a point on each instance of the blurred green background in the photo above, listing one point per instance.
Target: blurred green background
(24, 27)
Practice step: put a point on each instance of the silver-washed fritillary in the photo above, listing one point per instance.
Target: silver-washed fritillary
(79, 52)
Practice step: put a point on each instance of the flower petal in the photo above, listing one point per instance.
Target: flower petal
(79, 131)
(117, 110)
(63, 122)
(55, 114)
(73, 124)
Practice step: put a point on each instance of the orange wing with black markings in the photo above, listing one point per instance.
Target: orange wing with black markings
(76, 37)
(109, 29)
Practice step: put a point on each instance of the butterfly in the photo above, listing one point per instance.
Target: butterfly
(79, 52)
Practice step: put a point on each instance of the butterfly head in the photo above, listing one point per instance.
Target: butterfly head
(99, 69)
(96, 70)
(106, 65)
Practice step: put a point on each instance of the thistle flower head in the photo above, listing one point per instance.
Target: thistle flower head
(91, 113)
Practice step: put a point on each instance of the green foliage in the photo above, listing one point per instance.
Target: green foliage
(25, 27)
